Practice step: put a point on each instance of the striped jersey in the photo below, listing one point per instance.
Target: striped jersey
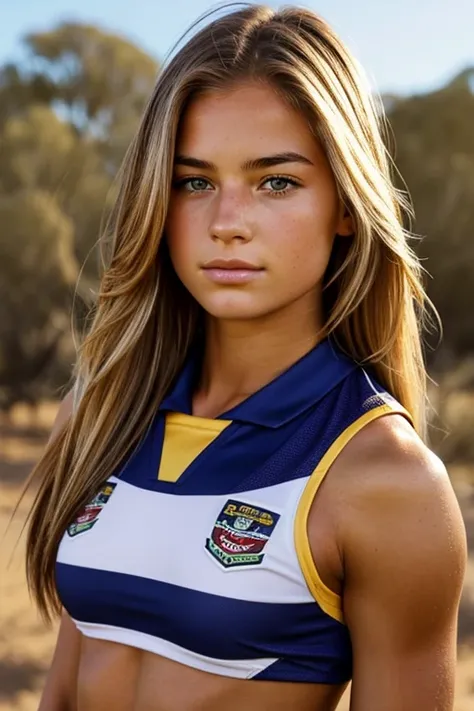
(196, 549)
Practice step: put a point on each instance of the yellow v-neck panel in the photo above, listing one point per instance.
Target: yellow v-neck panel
(186, 437)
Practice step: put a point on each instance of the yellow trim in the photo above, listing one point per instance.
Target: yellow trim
(328, 600)
(185, 438)
(200, 423)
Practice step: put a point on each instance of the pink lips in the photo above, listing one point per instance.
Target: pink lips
(231, 271)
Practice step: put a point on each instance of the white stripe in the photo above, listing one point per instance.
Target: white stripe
(162, 537)
(239, 668)
(377, 392)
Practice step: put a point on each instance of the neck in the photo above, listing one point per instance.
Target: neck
(240, 357)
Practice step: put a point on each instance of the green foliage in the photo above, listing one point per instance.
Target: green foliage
(67, 114)
(39, 270)
(98, 75)
(36, 150)
(435, 155)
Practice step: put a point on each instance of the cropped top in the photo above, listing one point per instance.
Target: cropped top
(197, 548)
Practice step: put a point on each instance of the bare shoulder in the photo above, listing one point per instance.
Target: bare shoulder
(388, 459)
(402, 544)
(389, 474)
(387, 501)
(399, 523)
(385, 464)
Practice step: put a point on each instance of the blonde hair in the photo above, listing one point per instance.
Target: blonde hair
(145, 321)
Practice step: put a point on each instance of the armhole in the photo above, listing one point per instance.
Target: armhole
(329, 601)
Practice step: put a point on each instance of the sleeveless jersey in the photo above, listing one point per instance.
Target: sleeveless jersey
(197, 548)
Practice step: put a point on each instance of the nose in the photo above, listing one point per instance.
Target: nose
(230, 219)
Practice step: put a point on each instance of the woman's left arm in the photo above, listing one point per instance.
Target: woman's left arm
(404, 553)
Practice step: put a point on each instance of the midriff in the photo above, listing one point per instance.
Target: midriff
(114, 677)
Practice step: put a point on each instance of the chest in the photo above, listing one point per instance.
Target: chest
(204, 560)
(187, 567)
(235, 545)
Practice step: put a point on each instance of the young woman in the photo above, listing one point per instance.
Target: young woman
(237, 509)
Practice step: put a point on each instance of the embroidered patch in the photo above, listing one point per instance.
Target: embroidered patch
(240, 534)
(90, 513)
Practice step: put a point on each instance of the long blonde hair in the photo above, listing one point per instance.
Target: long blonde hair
(144, 319)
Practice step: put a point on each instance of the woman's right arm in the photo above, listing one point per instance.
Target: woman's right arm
(59, 693)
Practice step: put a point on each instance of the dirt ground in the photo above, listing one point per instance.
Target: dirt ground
(25, 643)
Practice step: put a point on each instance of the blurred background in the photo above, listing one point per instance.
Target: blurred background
(74, 78)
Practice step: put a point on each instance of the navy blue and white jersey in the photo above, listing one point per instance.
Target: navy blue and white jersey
(197, 548)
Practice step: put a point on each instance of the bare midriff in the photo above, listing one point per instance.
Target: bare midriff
(113, 677)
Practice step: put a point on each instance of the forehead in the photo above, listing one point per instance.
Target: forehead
(250, 117)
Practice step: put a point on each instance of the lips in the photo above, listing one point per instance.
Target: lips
(231, 264)
(232, 272)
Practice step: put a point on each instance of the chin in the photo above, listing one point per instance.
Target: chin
(235, 309)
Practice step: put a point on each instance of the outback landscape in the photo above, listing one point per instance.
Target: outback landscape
(26, 644)
(64, 129)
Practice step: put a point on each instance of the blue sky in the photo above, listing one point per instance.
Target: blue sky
(404, 45)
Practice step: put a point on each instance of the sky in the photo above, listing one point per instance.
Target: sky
(405, 46)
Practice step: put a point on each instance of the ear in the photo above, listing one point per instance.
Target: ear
(345, 224)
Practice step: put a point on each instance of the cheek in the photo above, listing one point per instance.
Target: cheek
(302, 267)
(302, 250)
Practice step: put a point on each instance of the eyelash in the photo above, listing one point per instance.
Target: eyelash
(181, 184)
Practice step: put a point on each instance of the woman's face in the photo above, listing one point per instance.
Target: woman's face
(254, 207)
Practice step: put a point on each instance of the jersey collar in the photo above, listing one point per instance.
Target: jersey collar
(295, 390)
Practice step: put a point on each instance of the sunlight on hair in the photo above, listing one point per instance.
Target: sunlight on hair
(145, 321)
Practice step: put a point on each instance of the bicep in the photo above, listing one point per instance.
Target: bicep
(59, 693)
(405, 567)
(398, 674)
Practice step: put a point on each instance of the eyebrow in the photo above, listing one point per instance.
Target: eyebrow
(252, 164)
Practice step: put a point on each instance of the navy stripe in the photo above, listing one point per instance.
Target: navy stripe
(211, 625)
(327, 668)
(246, 457)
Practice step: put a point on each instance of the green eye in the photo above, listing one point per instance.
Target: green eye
(198, 184)
(193, 185)
(279, 184)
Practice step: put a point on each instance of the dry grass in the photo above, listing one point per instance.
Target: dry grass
(26, 645)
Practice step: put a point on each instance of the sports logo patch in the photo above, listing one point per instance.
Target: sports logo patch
(240, 534)
(90, 513)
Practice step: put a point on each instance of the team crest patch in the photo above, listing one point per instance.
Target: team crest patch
(240, 534)
(87, 518)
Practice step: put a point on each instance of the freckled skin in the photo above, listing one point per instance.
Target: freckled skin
(401, 595)
(231, 213)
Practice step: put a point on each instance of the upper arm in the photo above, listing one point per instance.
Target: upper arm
(59, 693)
(404, 551)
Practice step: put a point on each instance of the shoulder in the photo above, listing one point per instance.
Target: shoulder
(387, 465)
(384, 464)
(393, 541)
(387, 474)
(399, 524)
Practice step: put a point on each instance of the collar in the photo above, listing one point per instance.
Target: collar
(292, 392)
